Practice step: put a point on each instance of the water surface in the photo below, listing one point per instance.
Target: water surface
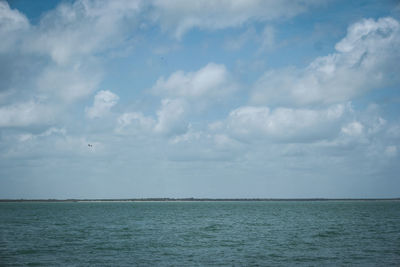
(363, 233)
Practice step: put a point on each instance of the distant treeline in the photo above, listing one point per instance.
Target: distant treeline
(195, 199)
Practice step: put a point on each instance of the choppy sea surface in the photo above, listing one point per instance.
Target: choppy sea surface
(272, 233)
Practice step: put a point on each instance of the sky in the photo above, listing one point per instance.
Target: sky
(204, 99)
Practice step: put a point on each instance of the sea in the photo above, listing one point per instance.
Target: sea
(200, 233)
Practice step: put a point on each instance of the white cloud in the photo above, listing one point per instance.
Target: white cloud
(187, 92)
(71, 30)
(265, 39)
(83, 28)
(353, 129)
(365, 59)
(224, 141)
(365, 36)
(210, 82)
(376, 124)
(268, 38)
(12, 23)
(51, 131)
(68, 83)
(179, 16)
(170, 120)
(59, 57)
(134, 121)
(25, 114)
(171, 117)
(11, 19)
(285, 124)
(188, 137)
(103, 102)
(391, 151)
(394, 131)
(201, 146)
(239, 41)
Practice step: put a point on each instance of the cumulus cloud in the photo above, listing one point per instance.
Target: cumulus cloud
(185, 92)
(51, 131)
(240, 40)
(179, 16)
(353, 129)
(210, 82)
(83, 28)
(284, 124)
(59, 56)
(11, 19)
(134, 122)
(71, 30)
(103, 102)
(12, 24)
(25, 114)
(170, 120)
(68, 83)
(170, 117)
(365, 59)
(391, 151)
(268, 38)
(196, 145)
(265, 39)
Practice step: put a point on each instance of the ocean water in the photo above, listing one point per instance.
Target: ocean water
(276, 233)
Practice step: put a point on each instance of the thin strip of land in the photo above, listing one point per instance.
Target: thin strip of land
(195, 199)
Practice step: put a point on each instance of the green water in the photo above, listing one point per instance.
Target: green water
(317, 233)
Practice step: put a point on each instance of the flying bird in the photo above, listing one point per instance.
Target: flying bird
(90, 145)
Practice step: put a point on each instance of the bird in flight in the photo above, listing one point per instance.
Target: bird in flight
(90, 145)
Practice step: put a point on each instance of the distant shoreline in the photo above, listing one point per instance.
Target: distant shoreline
(197, 199)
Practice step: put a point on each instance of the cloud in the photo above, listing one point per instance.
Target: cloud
(71, 30)
(265, 39)
(170, 120)
(250, 123)
(202, 146)
(25, 114)
(60, 57)
(68, 83)
(12, 24)
(170, 117)
(83, 28)
(51, 131)
(353, 129)
(210, 82)
(134, 122)
(239, 41)
(268, 38)
(11, 19)
(391, 151)
(103, 102)
(179, 16)
(185, 92)
(365, 59)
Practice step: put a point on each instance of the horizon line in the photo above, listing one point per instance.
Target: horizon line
(155, 199)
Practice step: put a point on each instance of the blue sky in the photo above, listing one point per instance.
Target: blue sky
(274, 99)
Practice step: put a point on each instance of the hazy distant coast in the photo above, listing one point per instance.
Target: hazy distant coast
(196, 199)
